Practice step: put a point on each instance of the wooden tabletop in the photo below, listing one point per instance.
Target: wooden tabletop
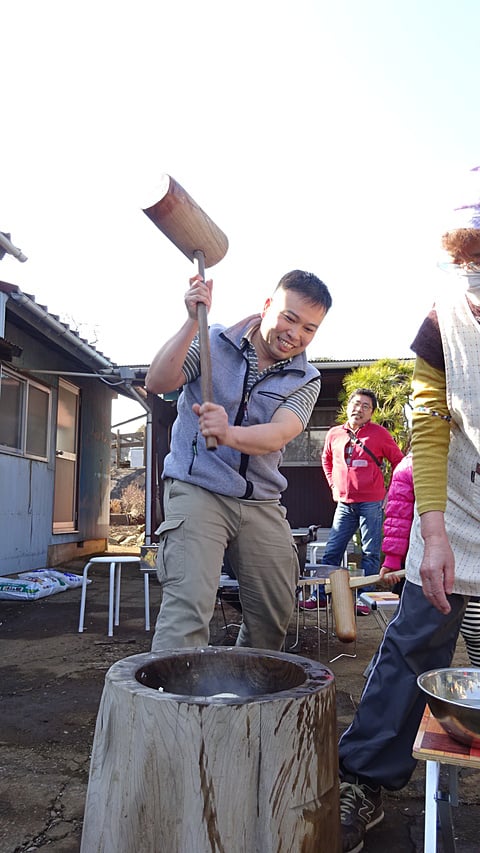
(432, 743)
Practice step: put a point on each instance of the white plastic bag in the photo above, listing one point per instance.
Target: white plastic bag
(25, 590)
(35, 577)
(65, 579)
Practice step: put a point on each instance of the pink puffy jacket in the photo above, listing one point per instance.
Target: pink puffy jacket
(398, 515)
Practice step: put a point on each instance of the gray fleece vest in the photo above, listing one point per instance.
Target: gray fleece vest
(227, 471)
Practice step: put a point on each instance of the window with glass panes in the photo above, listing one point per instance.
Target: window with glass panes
(24, 415)
(306, 448)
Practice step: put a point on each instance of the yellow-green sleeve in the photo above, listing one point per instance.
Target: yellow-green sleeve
(430, 437)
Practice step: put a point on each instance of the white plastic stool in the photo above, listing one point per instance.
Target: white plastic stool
(116, 563)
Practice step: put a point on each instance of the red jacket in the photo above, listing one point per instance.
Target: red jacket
(398, 515)
(362, 479)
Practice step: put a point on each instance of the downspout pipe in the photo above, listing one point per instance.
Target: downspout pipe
(148, 461)
(3, 306)
(7, 246)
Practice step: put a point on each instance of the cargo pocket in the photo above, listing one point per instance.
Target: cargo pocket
(170, 562)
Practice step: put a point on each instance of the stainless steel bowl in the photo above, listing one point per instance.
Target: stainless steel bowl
(453, 696)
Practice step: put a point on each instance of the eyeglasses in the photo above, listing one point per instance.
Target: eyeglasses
(365, 407)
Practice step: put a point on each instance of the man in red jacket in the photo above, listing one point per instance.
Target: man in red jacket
(352, 460)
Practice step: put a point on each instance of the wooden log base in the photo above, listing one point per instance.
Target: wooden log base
(177, 767)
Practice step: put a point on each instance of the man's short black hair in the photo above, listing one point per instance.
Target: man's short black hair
(307, 285)
(367, 392)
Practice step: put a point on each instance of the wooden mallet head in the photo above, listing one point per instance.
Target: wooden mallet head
(189, 228)
(185, 224)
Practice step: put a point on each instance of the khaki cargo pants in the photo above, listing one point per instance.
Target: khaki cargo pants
(198, 527)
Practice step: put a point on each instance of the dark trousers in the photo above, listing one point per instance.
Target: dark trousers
(366, 516)
(377, 746)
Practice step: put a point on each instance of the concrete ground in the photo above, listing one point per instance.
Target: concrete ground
(51, 682)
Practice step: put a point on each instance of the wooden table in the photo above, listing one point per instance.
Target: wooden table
(434, 746)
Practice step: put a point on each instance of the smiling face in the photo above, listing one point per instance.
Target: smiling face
(359, 411)
(289, 323)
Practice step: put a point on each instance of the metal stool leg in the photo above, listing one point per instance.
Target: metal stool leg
(118, 579)
(297, 613)
(225, 623)
(147, 601)
(83, 598)
(111, 599)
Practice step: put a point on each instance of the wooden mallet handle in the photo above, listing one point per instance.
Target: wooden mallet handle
(205, 360)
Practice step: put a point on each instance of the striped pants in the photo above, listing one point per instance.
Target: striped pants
(470, 630)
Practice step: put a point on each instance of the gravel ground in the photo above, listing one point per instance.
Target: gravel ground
(51, 682)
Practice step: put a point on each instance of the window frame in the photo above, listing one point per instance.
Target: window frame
(25, 384)
(312, 438)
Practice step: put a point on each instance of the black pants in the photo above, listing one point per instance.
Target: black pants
(377, 746)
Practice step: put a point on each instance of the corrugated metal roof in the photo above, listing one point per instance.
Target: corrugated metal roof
(40, 312)
(138, 371)
(8, 350)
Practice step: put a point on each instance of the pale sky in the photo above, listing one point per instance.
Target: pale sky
(318, 135)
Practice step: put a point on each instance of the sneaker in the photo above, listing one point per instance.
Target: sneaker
(362, 610)
(311, 604)
(360, 809)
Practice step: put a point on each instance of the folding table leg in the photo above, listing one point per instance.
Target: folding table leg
(432, 772)
(444, 807)
(445, 801)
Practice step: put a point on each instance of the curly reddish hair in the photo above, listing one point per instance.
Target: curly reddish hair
(463, 245)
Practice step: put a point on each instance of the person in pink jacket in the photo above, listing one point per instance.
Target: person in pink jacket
(398, 519)
(396, 536)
